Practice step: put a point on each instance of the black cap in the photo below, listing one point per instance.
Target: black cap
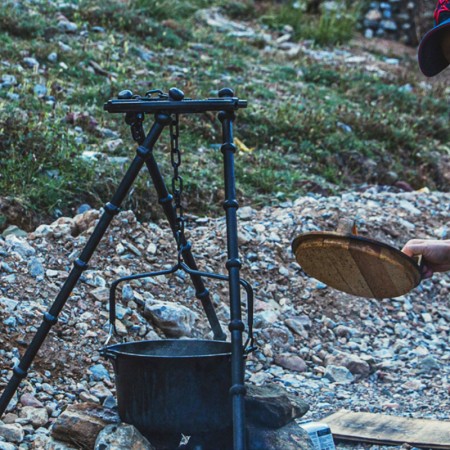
(431, 57)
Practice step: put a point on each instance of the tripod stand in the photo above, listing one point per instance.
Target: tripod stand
(163, 106)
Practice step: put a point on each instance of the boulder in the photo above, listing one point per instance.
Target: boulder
(38, 417)
(339, 374)
(291, 362)
(80, 424)
(121, 436)
(289, 437)
(12, 432)
(173, 319)
(272, 406)
(353, 363)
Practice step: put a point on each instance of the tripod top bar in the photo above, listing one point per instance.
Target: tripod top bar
(174, 101)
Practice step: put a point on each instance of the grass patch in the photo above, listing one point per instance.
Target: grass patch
(335, 23)
(21, 20)
(313, 125)
(40, 156)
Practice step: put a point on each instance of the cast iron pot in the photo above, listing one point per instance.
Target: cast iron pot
(173, 386)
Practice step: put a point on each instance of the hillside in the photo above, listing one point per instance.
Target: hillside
(320, 118)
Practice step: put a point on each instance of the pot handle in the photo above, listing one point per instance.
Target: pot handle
(249, 344)
(112, 295)
(108, 354)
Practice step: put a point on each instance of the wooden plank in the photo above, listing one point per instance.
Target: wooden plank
(389, 430)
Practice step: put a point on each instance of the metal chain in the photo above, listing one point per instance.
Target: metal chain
(177, 181)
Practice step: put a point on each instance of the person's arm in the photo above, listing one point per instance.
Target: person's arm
(435, 254)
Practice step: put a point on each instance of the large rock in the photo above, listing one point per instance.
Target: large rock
(289, 437)
(122, 436)
(353, 363)
(38, 417)
(28, 399)
(82, 222)
(291, 362)
(48, 443)
(339, 374)
(272, 406)
(173, 319)
(20, 245)
(12, 432)
(279, 337)
(80, 424)
(6, 446)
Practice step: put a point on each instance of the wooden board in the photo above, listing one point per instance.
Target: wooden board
(356, 265)
(389, 430)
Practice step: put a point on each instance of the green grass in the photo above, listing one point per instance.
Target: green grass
(21, 20)
(329, 27)
(312, 125)
(39, 162)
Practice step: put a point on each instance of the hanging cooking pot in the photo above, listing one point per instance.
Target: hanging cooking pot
(171, 386)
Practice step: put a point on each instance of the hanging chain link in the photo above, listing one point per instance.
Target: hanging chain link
(177, 181)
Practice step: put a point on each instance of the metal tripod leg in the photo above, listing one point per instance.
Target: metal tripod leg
(165, 199)
(112, 208)
(233, 265)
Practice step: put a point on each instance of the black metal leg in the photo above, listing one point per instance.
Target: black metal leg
(112, 208)
(233, 265)
(166, 201)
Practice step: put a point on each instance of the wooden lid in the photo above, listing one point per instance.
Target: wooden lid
(356, 265)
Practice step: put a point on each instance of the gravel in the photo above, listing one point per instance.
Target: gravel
(336, 351)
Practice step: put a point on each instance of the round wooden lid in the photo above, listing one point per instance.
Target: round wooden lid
(356, 265)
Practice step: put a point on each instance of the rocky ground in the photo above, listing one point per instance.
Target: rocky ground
(336, 351)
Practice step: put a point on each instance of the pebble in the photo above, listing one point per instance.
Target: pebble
(6, 446)
(38, 417)
(52, 57)
(174, 320)
(127, 295)
(40, 90)
(67, 27)
(28, 399)
(10, 322)
(20, 246)
(64, 47)
(338, 374)
(291, 362)
(12, 433)
(36, 269)
(31, 62)
(99, 372)
(121, 436)
(8, 81)
(83, 208)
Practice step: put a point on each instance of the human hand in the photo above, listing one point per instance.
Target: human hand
(435, 254)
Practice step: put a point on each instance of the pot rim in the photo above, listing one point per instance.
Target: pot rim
(115, 349)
